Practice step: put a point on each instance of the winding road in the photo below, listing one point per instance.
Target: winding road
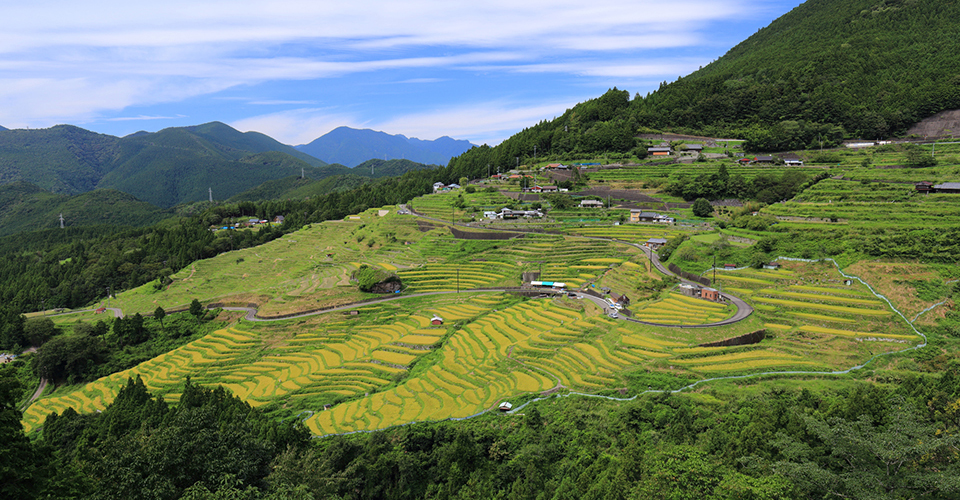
(743, 309)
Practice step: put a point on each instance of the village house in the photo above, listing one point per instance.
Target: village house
(591, 204)
(658, 151)
(771, 265)
(699, 292)
(638, 215)
(507, 213)
(655, 243)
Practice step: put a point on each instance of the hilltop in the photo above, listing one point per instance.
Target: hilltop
(350, 147)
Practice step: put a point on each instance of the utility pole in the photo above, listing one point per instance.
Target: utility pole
(210, 190)
(714, 270)
(458, 279)
(61, 220)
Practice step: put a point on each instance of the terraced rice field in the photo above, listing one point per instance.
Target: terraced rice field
(390, 366)
(634, 233)
(444, 277)
(679, 309)
(820, 306)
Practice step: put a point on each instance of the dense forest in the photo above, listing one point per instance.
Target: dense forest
(857, 440)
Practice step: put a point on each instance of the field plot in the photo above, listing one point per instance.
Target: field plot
(440, 277)
(390, 365)
(811, 305)
(634, 233)
(678, 309)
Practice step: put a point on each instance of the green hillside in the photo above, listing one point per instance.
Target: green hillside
(296, 187)
(62, 159)
(25, 207)
(872, 67)
(388, 168)
(328, 179)
(172, 166)
(825, 71)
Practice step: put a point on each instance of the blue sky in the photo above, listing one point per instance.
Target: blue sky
(296, 69)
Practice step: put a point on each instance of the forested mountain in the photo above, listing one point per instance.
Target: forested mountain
(295, 187)
(827, 70)
(351, 147)
(872, 67)
(388, 168)
(172, 166)
(25, 207)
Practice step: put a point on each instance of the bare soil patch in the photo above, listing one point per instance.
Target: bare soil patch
(942, 124)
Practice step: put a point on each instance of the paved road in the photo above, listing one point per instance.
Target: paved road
(743, 309)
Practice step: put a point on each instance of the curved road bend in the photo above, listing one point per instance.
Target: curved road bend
(743, 309)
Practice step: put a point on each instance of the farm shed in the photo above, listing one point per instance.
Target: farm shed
(924, 187)
(436, 320)
(771, 265)
(591, 204)
(656, 243)
(710, 294)
(659, 151)
(947, 187)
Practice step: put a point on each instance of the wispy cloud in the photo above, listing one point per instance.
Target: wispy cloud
(143, 118)
(297, 126)
(87, 61)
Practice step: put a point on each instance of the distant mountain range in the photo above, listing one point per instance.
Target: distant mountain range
(165, 168)
(350, 147)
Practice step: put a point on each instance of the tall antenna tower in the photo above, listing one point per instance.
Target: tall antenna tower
(210, 190)
(61, 220)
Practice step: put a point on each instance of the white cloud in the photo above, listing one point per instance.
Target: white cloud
(484, 122)
(81, 61)
(382, 23)
(298, 126)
